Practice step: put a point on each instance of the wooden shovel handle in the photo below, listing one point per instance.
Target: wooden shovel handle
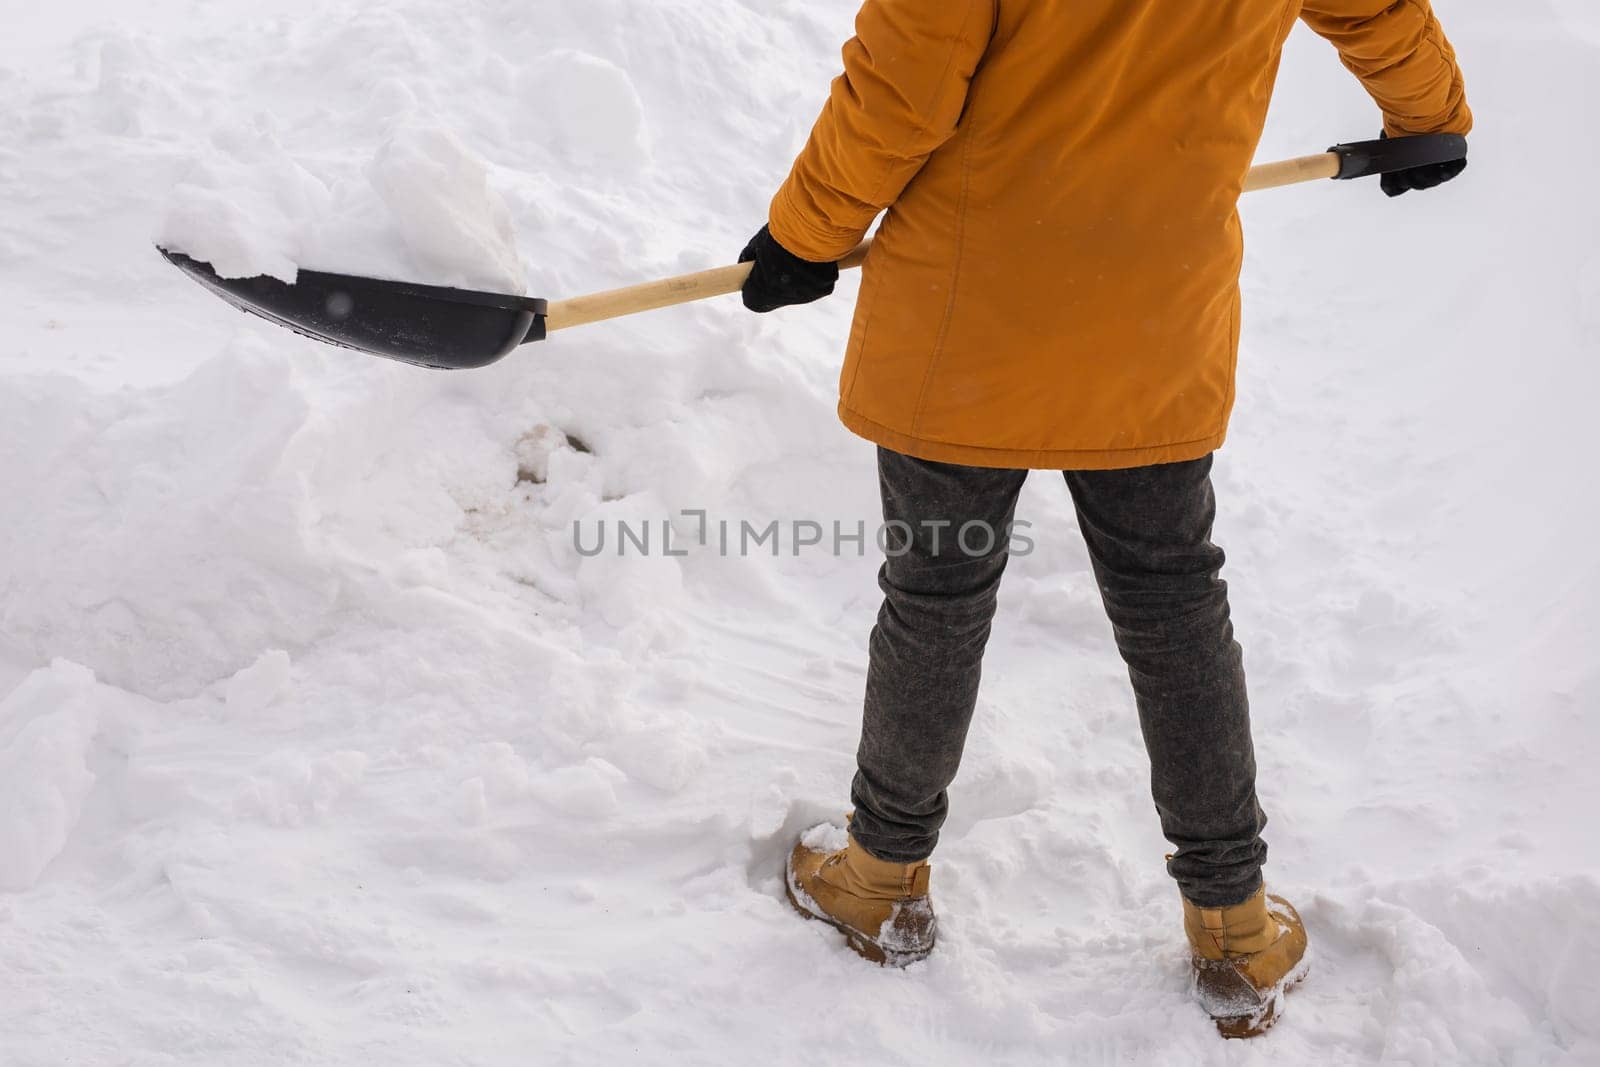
(1293, 171)
(688, 288)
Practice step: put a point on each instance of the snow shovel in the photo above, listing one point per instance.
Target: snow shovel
(458, 329)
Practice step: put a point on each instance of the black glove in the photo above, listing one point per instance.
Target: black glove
(1401, 182)
(781, 278)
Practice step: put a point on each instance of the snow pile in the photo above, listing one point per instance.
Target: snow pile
(382, 768)
(424, 201)
(246, 210)
(453, 225)
(179, 543)
(46, 727)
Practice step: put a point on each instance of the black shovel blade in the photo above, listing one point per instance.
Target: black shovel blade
(424, 325)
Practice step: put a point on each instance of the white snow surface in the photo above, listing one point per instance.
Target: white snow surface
(321, 742)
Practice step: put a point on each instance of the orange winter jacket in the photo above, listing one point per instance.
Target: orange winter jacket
(1056, 282)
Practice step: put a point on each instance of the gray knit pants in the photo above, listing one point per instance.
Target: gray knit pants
(1148, 532)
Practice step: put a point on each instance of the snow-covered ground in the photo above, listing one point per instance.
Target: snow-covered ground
(321, 742)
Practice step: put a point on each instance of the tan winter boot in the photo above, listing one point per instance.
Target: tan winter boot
(882, 908)
(1245, 958)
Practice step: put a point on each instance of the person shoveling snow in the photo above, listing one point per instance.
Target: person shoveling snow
(1055, 286)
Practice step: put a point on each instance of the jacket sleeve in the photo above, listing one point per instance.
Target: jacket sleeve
(1401, 55)
(902, 92)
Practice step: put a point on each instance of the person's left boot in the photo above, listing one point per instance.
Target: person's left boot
(1245, 958)
(882, 908)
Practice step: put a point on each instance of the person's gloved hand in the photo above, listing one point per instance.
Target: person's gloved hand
(781, 278)
(1401, 182)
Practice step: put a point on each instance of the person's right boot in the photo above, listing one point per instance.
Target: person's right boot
(1245, 958)
(882, 908)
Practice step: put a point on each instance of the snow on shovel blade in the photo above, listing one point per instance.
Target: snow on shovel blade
(424, 325)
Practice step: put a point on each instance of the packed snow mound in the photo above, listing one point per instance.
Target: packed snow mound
(455, 227)
(46, 727)
(248, 209)
(424, 200)
(179, 544)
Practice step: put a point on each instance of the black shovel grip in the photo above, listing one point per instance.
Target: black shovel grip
(1363, 158)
